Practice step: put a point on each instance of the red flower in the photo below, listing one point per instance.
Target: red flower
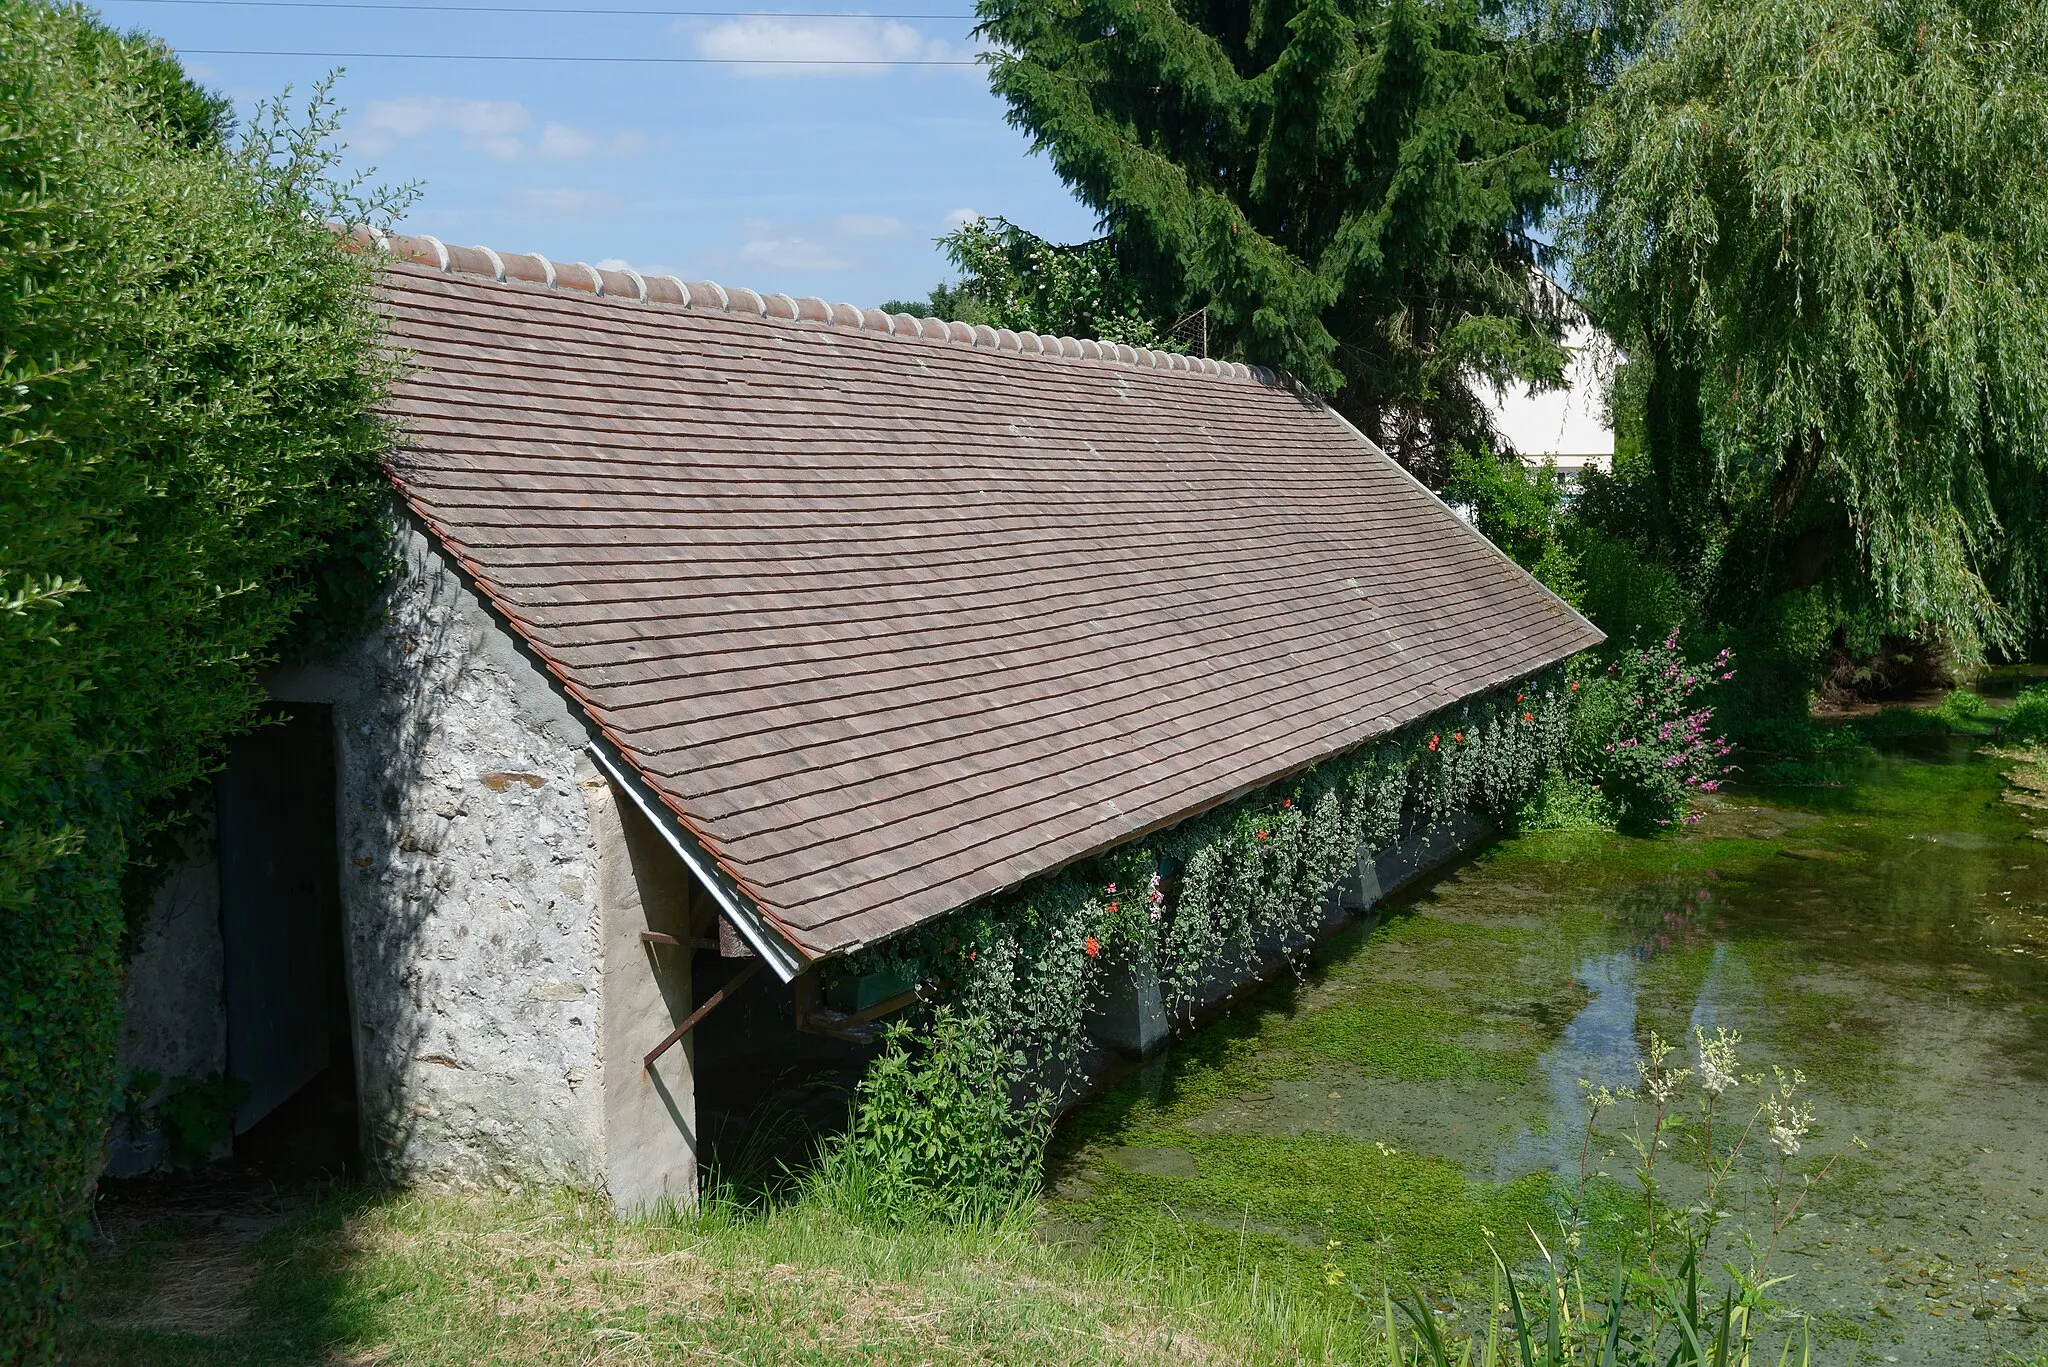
(1458, 736)
(1575, 685)
(1528, 716)
(1285, 803)
(1432, 742)
(1091, 946)
(1518, 697)
(1113, 907)
(1262, 835)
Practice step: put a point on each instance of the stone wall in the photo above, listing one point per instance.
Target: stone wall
(469, 892)
(173, 1016)
(484, 861)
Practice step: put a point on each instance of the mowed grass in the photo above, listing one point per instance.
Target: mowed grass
(434, 1278)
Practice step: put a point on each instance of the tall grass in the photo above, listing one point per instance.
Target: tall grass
(1641, 1322)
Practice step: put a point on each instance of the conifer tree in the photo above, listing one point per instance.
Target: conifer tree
(1351, 187)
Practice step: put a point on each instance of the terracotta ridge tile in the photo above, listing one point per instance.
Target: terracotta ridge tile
(668, 291)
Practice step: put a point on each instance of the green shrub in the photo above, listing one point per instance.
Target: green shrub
(1566, 801)
(1525, 512)
(2026, 717)
(935, 1133)
(1961, 710)
(190, 484)
(1626, 595)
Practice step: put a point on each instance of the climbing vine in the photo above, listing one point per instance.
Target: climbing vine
(1207, 900)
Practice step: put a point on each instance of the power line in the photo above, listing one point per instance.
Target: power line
(544, 9)
(566, 57)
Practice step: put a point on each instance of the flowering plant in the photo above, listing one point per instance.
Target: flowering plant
(1021, 971)
(1657, 748)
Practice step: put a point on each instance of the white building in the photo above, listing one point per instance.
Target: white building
(1569, 426)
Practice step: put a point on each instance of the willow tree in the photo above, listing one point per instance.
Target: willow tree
(1350, 187)
(1820, 227)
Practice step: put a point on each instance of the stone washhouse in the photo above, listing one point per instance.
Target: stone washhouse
(737, 632)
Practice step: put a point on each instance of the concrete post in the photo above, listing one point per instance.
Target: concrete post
(1132, 1016)
(650, 1114)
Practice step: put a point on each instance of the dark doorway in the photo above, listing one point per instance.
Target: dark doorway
(280, 906)
(767, 1094)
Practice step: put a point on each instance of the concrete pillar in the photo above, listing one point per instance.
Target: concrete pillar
(1132, 1016)
(650, 1115)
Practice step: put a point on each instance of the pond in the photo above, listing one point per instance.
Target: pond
(1420, 1087)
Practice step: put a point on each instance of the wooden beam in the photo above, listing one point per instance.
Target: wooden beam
(886, 1006)
(853, 1029)
(733, 984)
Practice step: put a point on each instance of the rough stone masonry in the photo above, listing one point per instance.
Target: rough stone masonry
(493, 888)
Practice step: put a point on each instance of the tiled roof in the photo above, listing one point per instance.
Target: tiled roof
(893, 614)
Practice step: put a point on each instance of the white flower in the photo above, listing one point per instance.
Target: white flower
(1789, 1121)
(1717, 1060)
(1660, 1080)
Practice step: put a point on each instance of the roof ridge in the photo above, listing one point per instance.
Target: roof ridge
(580, 277)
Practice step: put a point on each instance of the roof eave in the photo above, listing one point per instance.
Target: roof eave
(776, 950)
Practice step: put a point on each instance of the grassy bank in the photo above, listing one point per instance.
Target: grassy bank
(1407, 1106)
(360, 1278)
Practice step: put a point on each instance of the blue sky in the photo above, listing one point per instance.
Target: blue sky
(830, 179)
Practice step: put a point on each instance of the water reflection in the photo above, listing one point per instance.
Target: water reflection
(1598, 1046)
(1885, 940)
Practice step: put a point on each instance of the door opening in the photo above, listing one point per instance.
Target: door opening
(289, 1036)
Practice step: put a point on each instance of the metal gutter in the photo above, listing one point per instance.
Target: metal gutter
(775, 951)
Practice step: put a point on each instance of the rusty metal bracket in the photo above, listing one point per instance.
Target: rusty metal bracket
(733, 984)
(656, 937)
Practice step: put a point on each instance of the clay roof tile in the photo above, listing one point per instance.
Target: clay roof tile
(889, 622)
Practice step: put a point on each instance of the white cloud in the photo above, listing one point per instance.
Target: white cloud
(560, 142)
(489, 126)
(824, 244)
(865, 225)
(789, 250)
(960, 218)
(777, 41)
(562, 200)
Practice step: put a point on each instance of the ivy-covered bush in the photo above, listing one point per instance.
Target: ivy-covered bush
(1195, 904)
(188, 486)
